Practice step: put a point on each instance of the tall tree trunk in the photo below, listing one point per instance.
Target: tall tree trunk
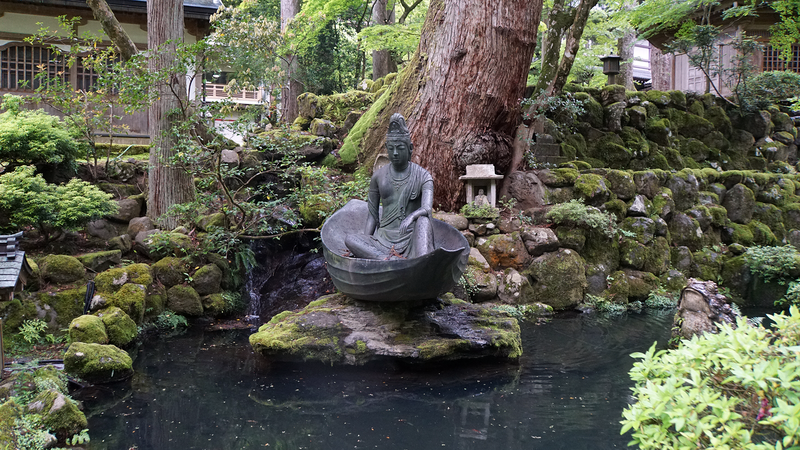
(551, 82)
(168, 184)
(625, 47)
(660, 69)
(292, 88)
(382, 62)
(460, 92)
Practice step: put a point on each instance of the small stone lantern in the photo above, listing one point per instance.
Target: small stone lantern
(481, 177)
(611, 67)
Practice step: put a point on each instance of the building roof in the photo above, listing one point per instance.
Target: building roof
(192, 9)
(12, 261)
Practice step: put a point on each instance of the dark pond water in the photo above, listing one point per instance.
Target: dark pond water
(209, 391)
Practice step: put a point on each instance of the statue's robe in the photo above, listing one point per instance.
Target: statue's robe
(406, 200)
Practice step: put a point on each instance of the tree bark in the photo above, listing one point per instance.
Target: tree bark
(382, 62)
(460, 92)
(113, 29)
(168, 184)
(625, 46)
(660, 66)
(292, 88)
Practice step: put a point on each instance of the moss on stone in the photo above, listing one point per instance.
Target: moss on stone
(213, 304)
(130, 299)
(170, 271)
(89, 329)
(184, 300)
(708, 263)
(295, 335)
(60, 414)
(112, 280)
(207, 279)
(569, 237)
(15, 312)
(635, 141)
(658, 98)
(351, 147)
(61, 269)
(742, 234)
(66, 304)
(121, 329)
(592, 188)
(578, 142)
(616, 207)
(719, 215)
(762, 235)
(97, 363)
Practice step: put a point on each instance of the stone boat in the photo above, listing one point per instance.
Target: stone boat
(375, 280)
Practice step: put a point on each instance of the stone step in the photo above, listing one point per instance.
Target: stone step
(555, 160)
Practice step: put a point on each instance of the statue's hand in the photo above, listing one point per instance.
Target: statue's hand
(406, 224)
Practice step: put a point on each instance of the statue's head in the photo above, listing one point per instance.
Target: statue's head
(398, 141)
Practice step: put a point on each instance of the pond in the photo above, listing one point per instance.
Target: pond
(208, 390)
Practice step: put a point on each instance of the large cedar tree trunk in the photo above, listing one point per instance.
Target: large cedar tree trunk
(460, 92)
(168, 184)
(382, 62)
(292, 88)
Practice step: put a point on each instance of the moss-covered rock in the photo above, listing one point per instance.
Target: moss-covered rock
(708, 264)
(570, 237)
(631, 285)
(112, 280)
(170, 271)
(734, 233)
(592, 188)
(740, 202)
(657, 130)
(211, 221)
(592, 110)
(97, 363)
(717, 116)
(213, 304)
(100, 261)
(762, 235)
(686, 231)
(207, 279)
(504, 250)
(121, 329)
(184, 300)
(558, 177)
(60, 414)
(771, 216)
(62, 306)
(557, 279)
(88, 329)
(61, 269)
(621, 184)
(611, 150)
(658, 256)
(456, 330)
(130, 299)
(315, 208)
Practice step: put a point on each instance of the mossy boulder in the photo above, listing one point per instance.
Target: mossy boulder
(112, 280)
(213, 304)
(657, 130)
(631, 285)
(569, 237)
(592, 109)
(130, 299)
(184, 300)
(62, 306)
(592, 188)
(62, 269)
(734, 233)
(121, 329)
(558, 177)
(98, 363)
(60, 414)
(611, 150)
(480, 286)
(452, 330)
(315, 208)
(211, 221)
(100, 261)
(686, 231)
(621, 184)
(658, 256)
(632, 254)
(740, 202)
(762, 234)
(89, 329)
(170, 271)
(719, 118)
(685, 188)
(207, 279)
(557, 279)
(708, 264)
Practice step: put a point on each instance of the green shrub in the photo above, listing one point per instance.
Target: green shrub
(169, 320)
(575, 213)
(738, 389)
(773, 263)
(33, 137)
(28, 200)
(768, 88)
(474, 211)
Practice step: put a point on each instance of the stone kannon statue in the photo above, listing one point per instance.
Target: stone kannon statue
(405, 191)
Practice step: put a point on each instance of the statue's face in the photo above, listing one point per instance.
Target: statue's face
(399, 151)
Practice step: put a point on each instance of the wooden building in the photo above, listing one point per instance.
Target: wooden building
(14, 268)
(20, 61)
(675, 71)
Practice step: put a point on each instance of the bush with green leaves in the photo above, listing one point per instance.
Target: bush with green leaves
(779, 264)
(28, 200)
(33, 137)
(577, 214)
(475, 211)
(738, 389)
(768, 88)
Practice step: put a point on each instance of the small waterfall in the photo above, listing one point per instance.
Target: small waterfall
(290, 274)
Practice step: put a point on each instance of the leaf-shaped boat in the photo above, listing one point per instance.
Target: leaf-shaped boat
(398, 280)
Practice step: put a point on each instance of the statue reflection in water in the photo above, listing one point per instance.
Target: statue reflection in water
(405, 191)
